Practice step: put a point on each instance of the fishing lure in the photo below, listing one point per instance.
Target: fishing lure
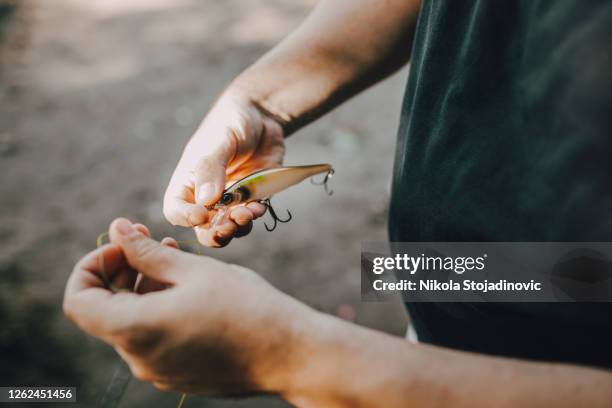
(262, 184)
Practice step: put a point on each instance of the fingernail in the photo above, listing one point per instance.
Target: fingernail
(206, 192)
(124, 227)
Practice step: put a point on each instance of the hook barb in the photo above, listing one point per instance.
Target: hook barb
(275, 218)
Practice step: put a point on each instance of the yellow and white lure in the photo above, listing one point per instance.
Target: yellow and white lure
(263, 184)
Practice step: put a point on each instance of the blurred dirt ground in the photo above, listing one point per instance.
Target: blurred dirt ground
(97, 100)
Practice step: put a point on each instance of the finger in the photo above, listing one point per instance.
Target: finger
(171, 242)
(257, 209)
(113, 268)
(209, 179)
(217, 237)
(238, 224)
(179, 211)
(243, 217)
(146, 285)
(138, 281)
(88, 302)
(244, 230)
(88, 271)
(147, 256)
(125, 278)
(102, 313)
(143, 229)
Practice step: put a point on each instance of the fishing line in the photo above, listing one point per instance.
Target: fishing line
(122, 375)
(181, 401)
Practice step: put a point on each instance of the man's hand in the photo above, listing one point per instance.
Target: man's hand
(343, 47)
(202, 326)
(235, 139)
(214, 328)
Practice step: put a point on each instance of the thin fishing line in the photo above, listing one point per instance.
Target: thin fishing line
(99, 243)
(181, 401)
(122, 375)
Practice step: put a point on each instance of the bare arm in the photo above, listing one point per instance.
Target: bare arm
(343, 47)
(347, 365)
(203, 326)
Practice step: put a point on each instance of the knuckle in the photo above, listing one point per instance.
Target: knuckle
(242, 216)
(149, 250)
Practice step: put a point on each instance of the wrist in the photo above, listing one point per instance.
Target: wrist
(239, 107)
(339, 364)
(266, 102)
(317, 353)
(278, 370)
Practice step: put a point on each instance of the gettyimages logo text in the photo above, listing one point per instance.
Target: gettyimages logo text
(414, 264)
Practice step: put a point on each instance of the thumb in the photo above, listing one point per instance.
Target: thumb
(147, 256)
(209, 179)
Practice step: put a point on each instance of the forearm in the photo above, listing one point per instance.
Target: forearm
(343, 47)
(346, 365)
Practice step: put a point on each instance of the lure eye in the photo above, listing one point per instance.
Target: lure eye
(226, 198)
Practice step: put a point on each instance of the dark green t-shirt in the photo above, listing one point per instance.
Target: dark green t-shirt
(506, 135)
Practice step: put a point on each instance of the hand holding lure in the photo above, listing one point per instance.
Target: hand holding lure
(258, 186)
(261, 185)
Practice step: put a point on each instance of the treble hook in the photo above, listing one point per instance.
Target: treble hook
(274, 216)
(323, 182)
